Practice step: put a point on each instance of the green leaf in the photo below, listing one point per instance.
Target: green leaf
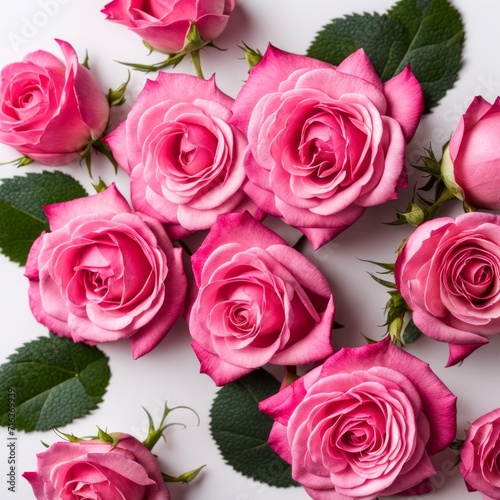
(241, 430)
(379, 36)
(411, 333)
(54, 381)
(22, 219)
(428, 34)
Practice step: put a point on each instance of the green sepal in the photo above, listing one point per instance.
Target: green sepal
(85, 62)
(171, 61)
(396, 308)
(252, 56)
(68, 437)
(387, 266)
(369, 340)
(149, 47)
(185, 478)
(457, 444)
(101, 147)
(431, 165)
(380, 281)
(193, 43)
(23, 161)
(116, 97)
(100, 186)
(413, 215)
(113, 439)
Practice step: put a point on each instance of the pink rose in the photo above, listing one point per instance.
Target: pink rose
(448, 274)
(105, 273)
(184, 160)
(165, 25)
(50, 111)
(480, 455)
(259, 301)
(364, 424)
(95, 469)
(326, 142)
(471, 161)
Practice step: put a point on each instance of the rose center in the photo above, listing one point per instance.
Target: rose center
(323, 149)
(243, 319)
(473, 277)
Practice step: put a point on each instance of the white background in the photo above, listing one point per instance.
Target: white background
(171, 372)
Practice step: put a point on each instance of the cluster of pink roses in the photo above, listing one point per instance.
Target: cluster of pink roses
(311, 144)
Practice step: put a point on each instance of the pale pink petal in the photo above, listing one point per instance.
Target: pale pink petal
(211, 26)
(242, 228)
(110, 200)
(149, 336)
(458, 352)
(169, 39)
(394, 163)
(221, 372)
(439, 403)
(405, 101)
(92, 102)
(117, 142)
(358, 64)
(265, 78)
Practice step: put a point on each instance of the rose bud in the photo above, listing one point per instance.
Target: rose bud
(471, 161)
(168, 26)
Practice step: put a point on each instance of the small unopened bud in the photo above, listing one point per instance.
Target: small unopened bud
(253, 56)
(116, 97)
(107, 438)
(394, 328)
(414, 214)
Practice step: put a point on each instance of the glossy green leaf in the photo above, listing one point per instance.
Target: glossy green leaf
(52, 381)
(428, 34)
(241, 430)
(22, 218)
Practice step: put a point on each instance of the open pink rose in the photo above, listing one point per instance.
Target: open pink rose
(185, 161)
(449, 275)
(259, 301)
(105, 273)
(98, 470)
(471, 161)
(165, 24)
(49, 110)
(480, 455)
(362, 425)
(326, 142)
